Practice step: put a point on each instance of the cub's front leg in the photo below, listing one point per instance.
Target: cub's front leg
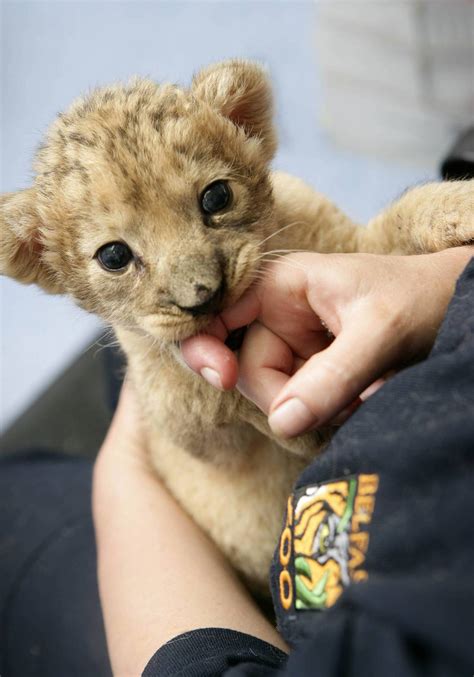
(426, 219)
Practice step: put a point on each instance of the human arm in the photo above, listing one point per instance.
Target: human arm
(159, 575)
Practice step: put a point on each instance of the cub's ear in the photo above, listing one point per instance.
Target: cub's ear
(22, 248)
(241, 91)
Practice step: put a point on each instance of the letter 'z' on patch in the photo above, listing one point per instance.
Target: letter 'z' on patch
(325, 540)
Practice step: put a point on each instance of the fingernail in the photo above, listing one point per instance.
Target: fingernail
(291, 418)
(212, 377)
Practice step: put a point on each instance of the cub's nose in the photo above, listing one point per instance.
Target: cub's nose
(208, 300)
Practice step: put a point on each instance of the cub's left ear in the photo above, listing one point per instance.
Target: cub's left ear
(241, 91)
(23, 250)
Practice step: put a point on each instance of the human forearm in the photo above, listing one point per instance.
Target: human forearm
(159, 575)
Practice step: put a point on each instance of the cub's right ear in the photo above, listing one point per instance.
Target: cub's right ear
(23, 249)
(240, 90)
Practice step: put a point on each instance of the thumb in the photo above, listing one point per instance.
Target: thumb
(333, 378)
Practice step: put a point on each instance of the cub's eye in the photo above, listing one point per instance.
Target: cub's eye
(114, 256)
(215, 197)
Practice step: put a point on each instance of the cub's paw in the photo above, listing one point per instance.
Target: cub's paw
(443, 215)
(306, 446)
(453, 231)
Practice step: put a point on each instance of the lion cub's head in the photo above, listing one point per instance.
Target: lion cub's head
(150, 202)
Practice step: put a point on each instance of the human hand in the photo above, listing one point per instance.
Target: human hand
(382, 312)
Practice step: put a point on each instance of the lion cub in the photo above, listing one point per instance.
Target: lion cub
(152, 206)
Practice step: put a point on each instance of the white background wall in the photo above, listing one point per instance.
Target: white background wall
(51, 51)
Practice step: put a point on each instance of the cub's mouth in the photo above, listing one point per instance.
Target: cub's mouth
(212, 308)
(180, 321)
(236, 338)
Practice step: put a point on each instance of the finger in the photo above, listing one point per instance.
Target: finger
(208, 356)
(217, 328)
(346, 413)
(332, 379)
(265, 365)
(280, 302)
(266, 383)
(372, 389)
(301, 329)
(243, 312)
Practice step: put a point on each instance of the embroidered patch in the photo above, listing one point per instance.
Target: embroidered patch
(326, 535)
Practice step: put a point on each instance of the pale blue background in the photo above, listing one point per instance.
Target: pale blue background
(52, 51)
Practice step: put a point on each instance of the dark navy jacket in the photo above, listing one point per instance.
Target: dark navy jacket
(373, 574)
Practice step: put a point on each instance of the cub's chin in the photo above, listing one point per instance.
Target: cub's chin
(173, 329)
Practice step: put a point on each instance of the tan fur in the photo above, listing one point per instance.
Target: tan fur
(128, 163)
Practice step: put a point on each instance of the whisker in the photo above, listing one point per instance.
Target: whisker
(289, 225)
(275, 252)
(289, 262)
(288, 251)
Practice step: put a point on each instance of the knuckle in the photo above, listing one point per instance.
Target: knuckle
(340, 373)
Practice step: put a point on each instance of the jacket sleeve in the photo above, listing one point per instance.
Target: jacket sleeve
(215, 651)
(397, 628)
